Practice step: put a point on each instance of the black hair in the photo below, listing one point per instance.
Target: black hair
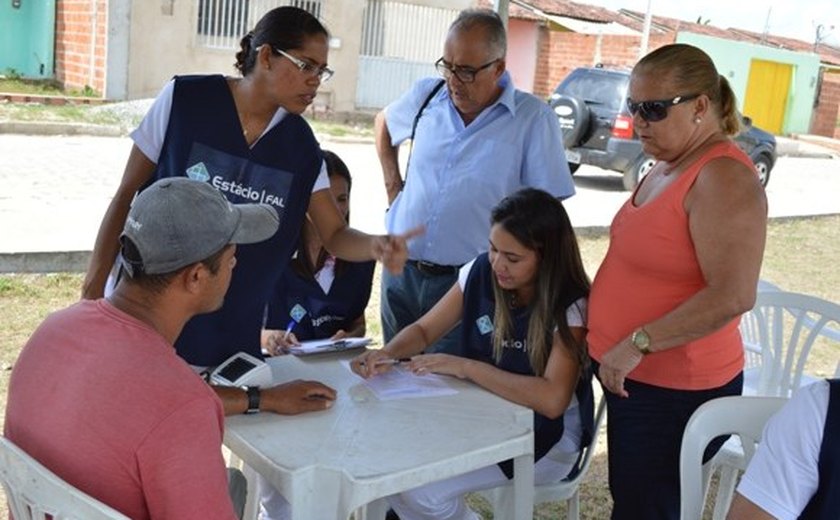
(282, 28)
(156, 283)
(301, 264)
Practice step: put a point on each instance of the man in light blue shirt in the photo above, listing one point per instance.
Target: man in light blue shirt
(477, 140)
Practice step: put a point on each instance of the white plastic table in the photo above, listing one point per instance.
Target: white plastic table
(328, 464)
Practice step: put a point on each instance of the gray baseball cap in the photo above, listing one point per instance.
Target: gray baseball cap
(178, 221)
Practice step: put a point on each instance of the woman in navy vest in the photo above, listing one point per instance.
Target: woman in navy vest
(245, 136)
(523, 312)
(320, 296)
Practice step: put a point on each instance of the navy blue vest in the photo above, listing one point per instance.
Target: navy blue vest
(326, 314)
(477, 333)
(825, 504)
(204, 141)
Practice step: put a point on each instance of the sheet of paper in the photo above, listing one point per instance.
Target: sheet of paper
(400, 383)
(327, 345)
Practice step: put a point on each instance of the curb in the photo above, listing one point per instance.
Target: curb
(41, 128)
(45, 262)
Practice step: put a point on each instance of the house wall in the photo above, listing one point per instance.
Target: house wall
(733, 60)
(523, 43)
(561, 51)
(826, 115)
(81, 28)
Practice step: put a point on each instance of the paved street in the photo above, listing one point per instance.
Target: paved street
(55, 189)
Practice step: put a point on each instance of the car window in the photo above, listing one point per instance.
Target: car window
(596, 89)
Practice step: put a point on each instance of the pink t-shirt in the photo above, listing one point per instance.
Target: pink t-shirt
(102, 400)
(651, 267)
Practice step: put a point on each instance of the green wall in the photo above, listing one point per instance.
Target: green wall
(732, 59)
(27, 35)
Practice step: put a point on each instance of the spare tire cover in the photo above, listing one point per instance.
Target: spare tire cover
(573, 115)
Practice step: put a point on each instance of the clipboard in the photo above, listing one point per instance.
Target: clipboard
(321, 346)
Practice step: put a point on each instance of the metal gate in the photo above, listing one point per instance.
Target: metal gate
(222, 23)
(400, 44)
(27, 38)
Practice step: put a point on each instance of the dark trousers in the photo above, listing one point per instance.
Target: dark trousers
(644, 435)
(406, 297)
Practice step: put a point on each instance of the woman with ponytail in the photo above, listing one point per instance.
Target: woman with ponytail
(246, 137)
(523, 312)
(682, 266)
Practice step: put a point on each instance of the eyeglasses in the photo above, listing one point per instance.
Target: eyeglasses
(656, 109)
(322, 73)
(464, 74)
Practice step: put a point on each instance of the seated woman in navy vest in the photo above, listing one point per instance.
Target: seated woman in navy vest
(523, 310)
(320, 296)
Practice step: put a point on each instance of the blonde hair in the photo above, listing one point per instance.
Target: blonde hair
(694, 72)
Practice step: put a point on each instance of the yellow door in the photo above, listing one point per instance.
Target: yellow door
(767, 94)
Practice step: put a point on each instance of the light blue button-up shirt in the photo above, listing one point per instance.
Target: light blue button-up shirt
(458, 173)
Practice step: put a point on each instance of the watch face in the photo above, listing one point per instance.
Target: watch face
(641, 340)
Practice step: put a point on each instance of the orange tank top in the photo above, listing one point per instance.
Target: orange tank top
(650, 269)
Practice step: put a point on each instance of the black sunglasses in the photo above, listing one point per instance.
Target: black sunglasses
(656, 109)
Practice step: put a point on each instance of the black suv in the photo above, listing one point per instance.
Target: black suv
(598, 129)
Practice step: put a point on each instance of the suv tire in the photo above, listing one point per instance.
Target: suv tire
(636, 171)
(763, 164)
(573, 115)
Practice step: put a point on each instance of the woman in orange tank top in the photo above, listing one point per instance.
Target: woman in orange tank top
(683, 263)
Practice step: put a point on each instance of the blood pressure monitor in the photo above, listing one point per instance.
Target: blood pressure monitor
(242, 369)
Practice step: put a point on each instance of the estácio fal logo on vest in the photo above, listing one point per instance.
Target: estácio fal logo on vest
(199, 172)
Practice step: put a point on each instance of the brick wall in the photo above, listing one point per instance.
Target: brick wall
(826, 111)
(80, 39)
(560, 52)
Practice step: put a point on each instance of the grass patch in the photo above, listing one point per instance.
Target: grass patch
(799, 257)
(12, 82)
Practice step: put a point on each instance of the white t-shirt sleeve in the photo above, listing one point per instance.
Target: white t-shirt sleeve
(464, 273)
(323, 180)
(576, 313)
(150, 134)
(783, 475)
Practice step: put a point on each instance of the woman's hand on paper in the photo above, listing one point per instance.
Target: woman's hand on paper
(372, 362)
(439, 364)
(277, 341)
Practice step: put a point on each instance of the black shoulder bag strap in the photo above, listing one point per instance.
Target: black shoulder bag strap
(417, 120)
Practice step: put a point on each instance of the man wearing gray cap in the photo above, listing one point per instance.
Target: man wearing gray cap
(98, 394)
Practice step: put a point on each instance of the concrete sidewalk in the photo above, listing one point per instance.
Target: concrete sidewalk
(55, 189)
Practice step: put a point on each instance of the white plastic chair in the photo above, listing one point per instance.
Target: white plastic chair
(779, 332)
(33, 491)
(569, 490)
(739, 415)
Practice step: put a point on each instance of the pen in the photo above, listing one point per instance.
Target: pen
(390, 361)
(289, 328)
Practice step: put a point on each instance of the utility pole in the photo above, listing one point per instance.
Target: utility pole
(766, 25)
(502, 7)
(645, 32)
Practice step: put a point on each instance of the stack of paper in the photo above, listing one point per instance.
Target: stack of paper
(319, 346)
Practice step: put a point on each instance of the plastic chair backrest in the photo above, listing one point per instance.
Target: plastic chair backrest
(33, 491)
(744, 416)
(566, 489)
(787, 326)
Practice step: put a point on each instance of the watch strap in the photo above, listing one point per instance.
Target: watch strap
(253, 393)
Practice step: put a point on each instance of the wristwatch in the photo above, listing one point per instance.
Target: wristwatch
(641, 340)
(253, 393)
